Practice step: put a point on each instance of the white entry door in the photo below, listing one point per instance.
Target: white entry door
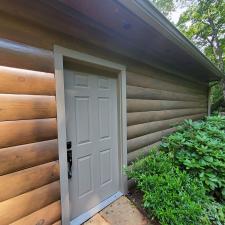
(91, 119)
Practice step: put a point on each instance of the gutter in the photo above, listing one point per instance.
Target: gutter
(147, 12)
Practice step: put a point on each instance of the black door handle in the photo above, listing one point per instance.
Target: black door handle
(70, 163)
(69, 145)
(69, 158)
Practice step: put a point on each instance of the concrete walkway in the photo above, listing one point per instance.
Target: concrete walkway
(120, 212)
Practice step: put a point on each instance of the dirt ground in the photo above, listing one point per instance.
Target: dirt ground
(135, 197)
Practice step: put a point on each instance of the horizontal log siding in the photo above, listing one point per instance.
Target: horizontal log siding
(132, 156)
(37, 80)
(57, 223)
(25, 107)
(42, 216)
(29, 167)
(154, 105)
(22, 205)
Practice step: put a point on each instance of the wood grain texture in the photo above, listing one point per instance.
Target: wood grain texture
(25, 107)
(148, 139)
(80, 30)
(45, 216)
(27, 99)
(146, 128)
(144, 81)
(134, 92)
(20, 81)
(27, 131)
(13, 29)
(169, 77)
(20, 157)
(144, 117)
(137, 105)
(16, 208)
(17, 55)
(132, 156)
(71, 26)
(17, 183)
(57, 223)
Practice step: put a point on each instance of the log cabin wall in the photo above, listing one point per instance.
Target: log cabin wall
(29, 173)
(155, 102)
(29, 168)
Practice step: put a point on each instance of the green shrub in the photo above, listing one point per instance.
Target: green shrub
(216, 213)
(216, 96)
(170, 195)
(199, 147)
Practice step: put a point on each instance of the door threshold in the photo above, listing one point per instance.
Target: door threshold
(87, 215)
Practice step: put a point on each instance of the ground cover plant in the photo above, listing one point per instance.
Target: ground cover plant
(169, 194)
(183, 181)
(199, 147)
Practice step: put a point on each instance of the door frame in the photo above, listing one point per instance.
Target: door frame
(59, 54)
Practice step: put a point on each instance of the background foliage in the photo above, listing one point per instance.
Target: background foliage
(203, 22)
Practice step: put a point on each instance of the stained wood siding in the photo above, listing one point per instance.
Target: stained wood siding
(28, 136)
(156, 102)
(29, 167)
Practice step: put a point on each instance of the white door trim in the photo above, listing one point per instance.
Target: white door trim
(59, 54)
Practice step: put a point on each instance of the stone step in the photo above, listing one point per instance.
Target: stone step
(120, 212)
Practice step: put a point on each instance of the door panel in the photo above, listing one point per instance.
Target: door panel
(105, 166)
(84, 175)
(82, 115)
(91, 118)
(104, 116)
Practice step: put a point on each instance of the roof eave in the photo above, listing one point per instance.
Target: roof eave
(145, 10)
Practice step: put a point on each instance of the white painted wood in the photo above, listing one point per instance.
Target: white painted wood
(91, 124)
(123, 130)
(61, 124)
(59, 53)
(88, 58)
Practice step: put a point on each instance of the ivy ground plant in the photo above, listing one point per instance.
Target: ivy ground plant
(199, 148)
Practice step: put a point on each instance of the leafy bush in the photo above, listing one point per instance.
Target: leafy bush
(216, 96)
(170, 195)
(199, 147)
(216, 213)
(216, 93)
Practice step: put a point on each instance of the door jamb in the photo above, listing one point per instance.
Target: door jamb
(59, 54)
